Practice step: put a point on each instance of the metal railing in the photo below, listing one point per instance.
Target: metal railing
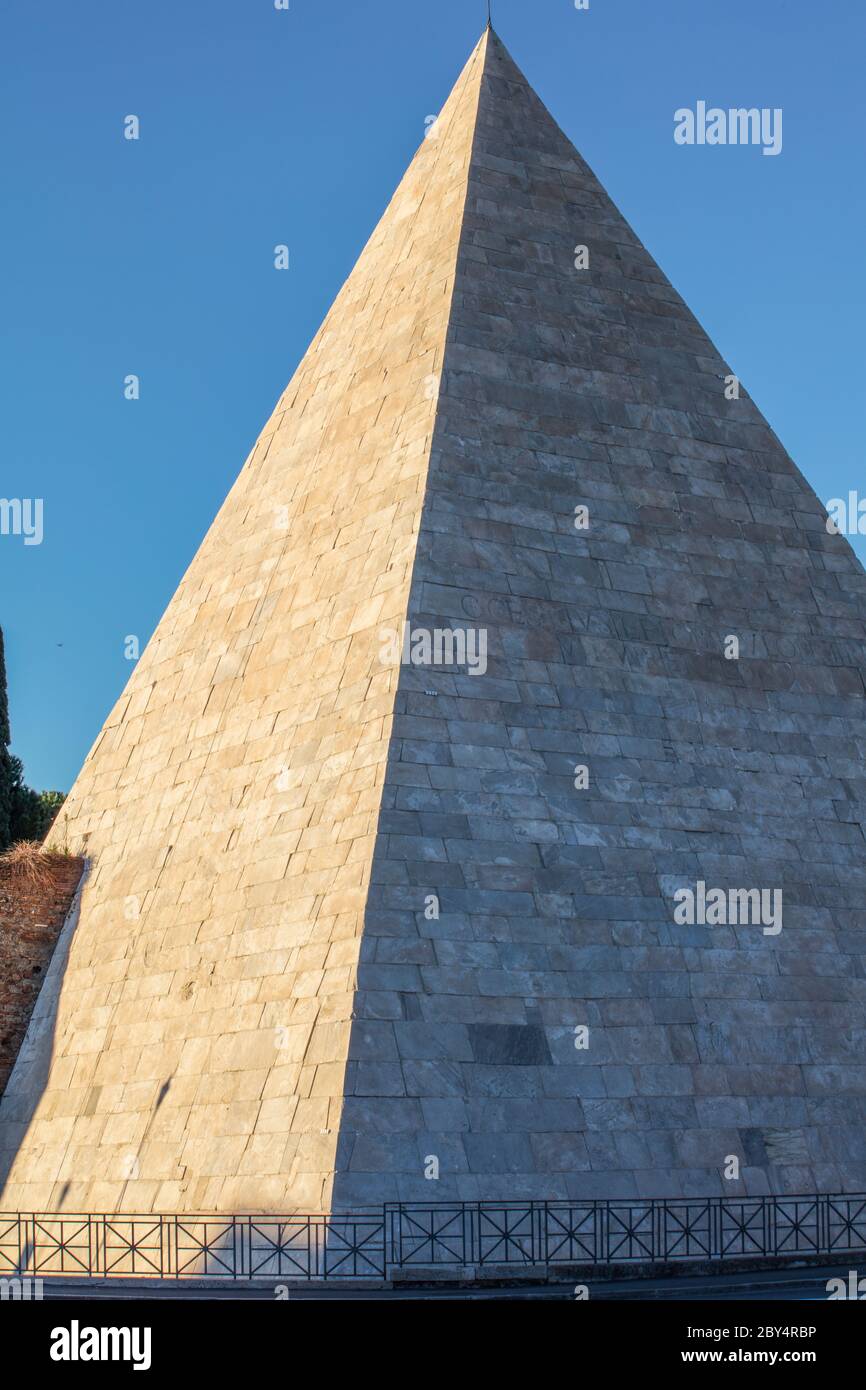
(466, 1237)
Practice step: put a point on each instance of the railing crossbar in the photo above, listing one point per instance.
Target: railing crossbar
(400, 1236)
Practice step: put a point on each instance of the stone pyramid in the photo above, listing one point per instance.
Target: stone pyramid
(378, 911)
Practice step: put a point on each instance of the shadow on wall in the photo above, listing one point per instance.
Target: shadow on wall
(29, 1075)
(428, 1050)
(425, 1049)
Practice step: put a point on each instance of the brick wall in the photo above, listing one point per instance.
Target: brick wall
(31, 916)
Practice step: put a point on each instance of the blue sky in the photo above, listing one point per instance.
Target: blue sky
(261, 127)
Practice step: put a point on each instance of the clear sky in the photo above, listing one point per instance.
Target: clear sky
(261, 127)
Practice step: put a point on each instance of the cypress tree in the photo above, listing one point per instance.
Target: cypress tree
(7, 777)
(24, 813)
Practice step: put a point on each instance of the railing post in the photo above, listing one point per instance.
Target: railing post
(770, 1227)
(387, 1238)
(24, 1245)
(28, 1253)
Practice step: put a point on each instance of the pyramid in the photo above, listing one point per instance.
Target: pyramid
(513, 632)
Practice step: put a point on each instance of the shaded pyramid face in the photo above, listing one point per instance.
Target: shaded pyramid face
(484, 818)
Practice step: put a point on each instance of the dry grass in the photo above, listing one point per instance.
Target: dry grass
(30, 863)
